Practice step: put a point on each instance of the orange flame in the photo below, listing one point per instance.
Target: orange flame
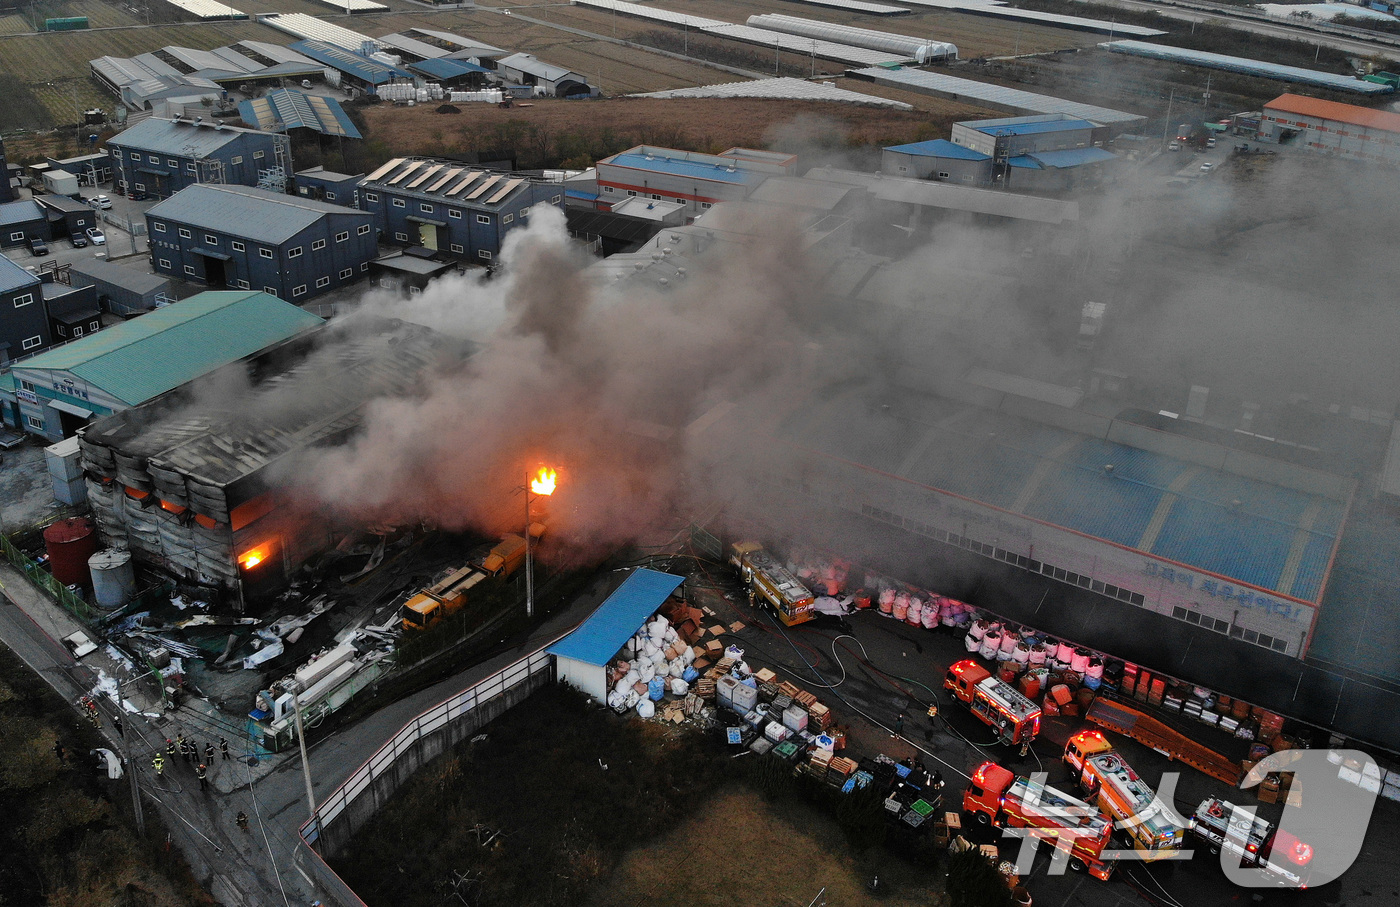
(544, 483)
(252, 559)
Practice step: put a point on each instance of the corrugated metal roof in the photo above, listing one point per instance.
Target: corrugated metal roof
(786, 88)
(13, 277)
(183, 138)
(292, 109)
(1335, 110)
(1295, 74)
(301, 25)
(860, 6)
(139, 282)
(274, 52)
(681, 167)
(940, 148)
(147, 356)
(933, 194)
(412, 46)
(357, 65)
(800, 192)
(20, 212)
(470, 45)
(471, 184)
(1072, 157)
(599, 637)
(259, 214)
(532, 65)
(1037, 127)
(998, 9)
(444, 68)
(998, 97)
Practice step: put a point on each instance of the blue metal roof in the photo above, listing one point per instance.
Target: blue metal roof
(13, 277)
(21, 212)
(1030, 128)
(259, 215)
(1023, 161)
(598, 638)
(286, 107)
(357, 65)
(940, 148)
(445, 68)
(1072, 157)
(682, 167)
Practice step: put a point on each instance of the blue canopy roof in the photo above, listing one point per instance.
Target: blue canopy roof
(940, 148)
(446, 68)
(1070, 157)
(598, 638)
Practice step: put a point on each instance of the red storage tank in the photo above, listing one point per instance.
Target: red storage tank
(70, 543)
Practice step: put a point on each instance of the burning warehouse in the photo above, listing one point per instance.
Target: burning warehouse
(190, 481)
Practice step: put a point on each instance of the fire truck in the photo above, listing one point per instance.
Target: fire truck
(1252, 840)
(773, 584)
(1000, 705)
(1002, 799)
(1108, 780)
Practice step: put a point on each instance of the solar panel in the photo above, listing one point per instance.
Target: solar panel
(446, 177)
(505, 190)
(409, 169)
(384, 170)
(424, 176)
(479, 190)
(464, 183)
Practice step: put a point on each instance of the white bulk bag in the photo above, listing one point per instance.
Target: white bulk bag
(646, 708)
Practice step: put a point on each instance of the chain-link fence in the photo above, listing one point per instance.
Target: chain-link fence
(72, 602)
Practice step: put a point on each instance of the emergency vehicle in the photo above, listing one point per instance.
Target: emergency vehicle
(773, 584)
(1002, 799)
(1000, 705)
(1108, 780)
(1253, 840)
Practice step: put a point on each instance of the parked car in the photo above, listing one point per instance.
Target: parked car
(97, 237)
(1210, 143)
(1207, 167)
(100, 201)
(37, 246)
(1174, 146)
(78, 240)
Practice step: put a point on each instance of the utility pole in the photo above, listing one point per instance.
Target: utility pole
(1166, 127)
(529, 566)
(305, 763)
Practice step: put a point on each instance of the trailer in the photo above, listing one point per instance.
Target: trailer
(1108, 780)
(998, 797)
(996, 703)
(1150, 732)
(1253, 841)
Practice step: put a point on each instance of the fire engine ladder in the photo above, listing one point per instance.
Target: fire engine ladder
(1150, 732)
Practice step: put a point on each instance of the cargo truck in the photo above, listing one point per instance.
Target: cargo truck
(506, 557)
(996, 703)
(998, 797)
(772, 584)
(442, 599)
(1253, 841)
(1110, 782)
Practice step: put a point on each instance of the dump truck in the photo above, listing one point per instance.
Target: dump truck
(1110, 782)
(1254, 841)
(443, 598)
(1150, 732)
(506, 557)
(772, 584)
(996, 703)
(1000, 798)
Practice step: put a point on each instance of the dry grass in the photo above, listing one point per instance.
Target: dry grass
(739, 850)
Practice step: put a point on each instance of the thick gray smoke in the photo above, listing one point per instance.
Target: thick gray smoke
(596, 380)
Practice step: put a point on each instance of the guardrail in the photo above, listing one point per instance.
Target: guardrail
(345, 811)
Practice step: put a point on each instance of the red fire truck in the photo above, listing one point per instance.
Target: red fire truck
(1252, 840)
(1014, 717)
(1000, 798)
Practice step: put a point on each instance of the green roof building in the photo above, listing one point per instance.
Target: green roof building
(58, 391)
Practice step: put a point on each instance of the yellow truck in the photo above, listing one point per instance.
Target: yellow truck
(442, 599)
(506, 557)
(772, 584)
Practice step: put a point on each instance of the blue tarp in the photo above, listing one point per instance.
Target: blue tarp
(599, 637)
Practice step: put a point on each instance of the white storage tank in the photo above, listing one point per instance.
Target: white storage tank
(113, 578)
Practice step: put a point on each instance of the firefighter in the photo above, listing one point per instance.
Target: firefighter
(170, 748)
(898, 726)
(117, 723)
(158, 763)
(208, 753)
(184, 746)
(59, 751)
(242, 820)
(932, 711)
(223, 747)
(203, 775)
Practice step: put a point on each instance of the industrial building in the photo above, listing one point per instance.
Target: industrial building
(409, 272)
(548, 80)
(65, 215)
(289, 109)
(699, 181)
(355, 69)
(189, 491)
(324, 185)
(1009, 136)
(120, 290)
(60, 390)
(1047, 153)
(939, 159)
(90, 169)
(1329, 127)
(159, 157)
(188, 75)
(450, 207)
(72, 311)
(292, 247)
(24, 328)
(21, 221)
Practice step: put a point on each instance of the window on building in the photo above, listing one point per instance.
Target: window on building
(631, 192)
(415, 291)
(271, 291)
(371, 196)
(265, 253)
(483, 254)
(299, 291)
(32, 342)
(294, 252)
(483, 219)
(77, 331)
(236, 159)
(347, 273)
(322, 282)
(157, 226)
(318, 245)
(17, 236)
(185, 234)
(242, 284)
(398, 202)
(456, 248)
(330, 196)
(26, 299)
(554, 199)
(656, 197)
(454, 214)
(165, 263)
(257, 155)
(189, 269)
(27, 385)
(364, 266)
(607, 188)
(944, 174)
(190, 167)
(364, 229)
(34, 422)
(507, 218)
(706, 205)
(94, 326)
(211, 239)
(62, 331)
(342, 236)
(116, 153)
(401, 237)
(171, 162)
(236, 246)
(426, 209)
(140, 187)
